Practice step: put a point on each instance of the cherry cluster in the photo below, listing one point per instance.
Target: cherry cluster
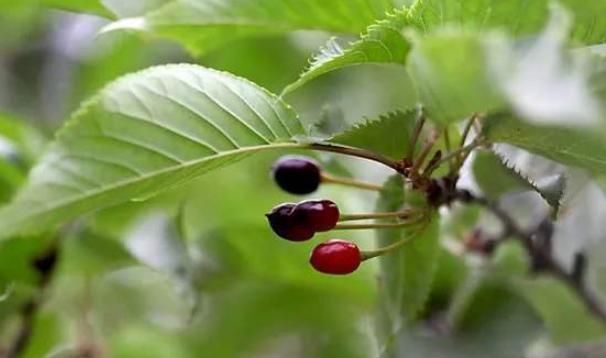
(300, 221)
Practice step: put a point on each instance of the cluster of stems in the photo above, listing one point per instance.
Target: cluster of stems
(418, 171)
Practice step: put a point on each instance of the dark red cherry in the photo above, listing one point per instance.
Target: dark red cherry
(297, 174)
(285, 225)
(321, 215)
(336, 257)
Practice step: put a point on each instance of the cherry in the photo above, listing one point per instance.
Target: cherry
(297, 174)
(299, 222)
(337, 257)
(321, 215)
(288, 226)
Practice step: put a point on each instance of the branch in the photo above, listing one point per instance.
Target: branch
(538, 246)
(45, 266)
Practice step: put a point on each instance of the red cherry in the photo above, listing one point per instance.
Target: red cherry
(336, 257)
(321, 215)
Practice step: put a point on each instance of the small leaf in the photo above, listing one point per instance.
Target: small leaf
(143, 134)
(497, 178)
(574, 147)
(204, 24)
(407, 274)
(378, 135)
(382, 42)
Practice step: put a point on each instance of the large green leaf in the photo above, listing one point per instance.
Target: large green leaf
(459, 73)
(519, 17)
(383, 42)
(378, 135)
(580, 148)
(146, 132)
(407, 274)
(204, 24)
(451, 72)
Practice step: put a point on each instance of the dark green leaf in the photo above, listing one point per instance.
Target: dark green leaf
(496, 178)
(379, 135)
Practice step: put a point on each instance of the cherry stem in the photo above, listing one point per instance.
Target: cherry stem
(415, 135)
(373, 226)
(396, 214)
(329, 179)
(455, 154)
(358, 152)
(448, 148)
(384, 250)
(418, 163)
(467, 129)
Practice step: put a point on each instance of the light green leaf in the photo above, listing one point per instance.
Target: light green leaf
(407, 274)
(144, 133)
(132, 8)
(383, 42)
(497, 178)
(542, 82)
(519, 17)
(579, 148)
(88, 6)
(451, 72)
(203, 24)
(565, 317)
(458, 73)
(378, 135)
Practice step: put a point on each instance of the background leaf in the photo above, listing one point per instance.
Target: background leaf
(203, 24)
(575, 147)
(519, 17)
(143, 133)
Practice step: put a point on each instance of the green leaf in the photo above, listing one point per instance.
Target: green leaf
(497, 178)
(378, 135)
(407, 274)
(565, 317)
(458, 73)
(144, 133)
(203, 24)
(88, 6)
(133, 7)
(382, 42)
(519, 17)
(451, 72)
(575, 147)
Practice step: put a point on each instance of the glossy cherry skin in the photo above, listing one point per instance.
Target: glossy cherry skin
(285, 224)
(336, 257)
(297, 174)
(321, 215)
